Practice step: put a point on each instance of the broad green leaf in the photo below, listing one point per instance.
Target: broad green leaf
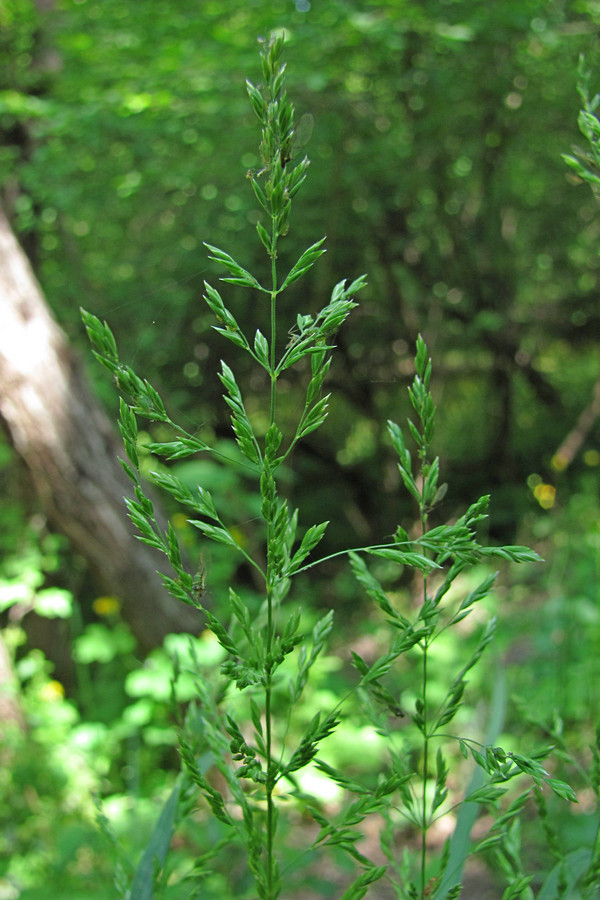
(156, 850)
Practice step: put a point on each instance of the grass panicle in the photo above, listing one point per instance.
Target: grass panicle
(245, 742)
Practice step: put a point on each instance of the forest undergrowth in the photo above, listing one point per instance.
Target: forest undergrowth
(291, 749)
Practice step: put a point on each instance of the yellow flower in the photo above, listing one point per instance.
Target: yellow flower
(106, 606)
(545, 494)
(51, 691)
(180, 520)
(560, 461)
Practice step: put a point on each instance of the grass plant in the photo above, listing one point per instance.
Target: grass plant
(243, 739)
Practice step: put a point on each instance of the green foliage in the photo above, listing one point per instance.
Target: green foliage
(437, 139)
(258, 771)
(470, 241)
(48, 833)
(424, 783)
(587, 163)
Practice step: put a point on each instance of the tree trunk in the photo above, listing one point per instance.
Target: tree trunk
(59, 430)
(10, 710)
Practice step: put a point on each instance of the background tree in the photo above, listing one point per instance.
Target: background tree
(68, 445)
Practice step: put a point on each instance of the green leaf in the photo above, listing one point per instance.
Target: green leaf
(359, 663)
(479, 593)
(128, 422)
(341, 292)
(177, 590)
(320, 633)
(405, 558)
(129, 471)
(180, 449)
(256, 99)
(240, 275)
(431, 483)
(516, 889)
(236, 337)
(373, 588)
(239, 420)
(242, 614)
(316, 382)
(488, 842)
(340, 779)
(562, 789)
(273, 439)
(359, 887)
(222, 635)
(264, 237)
(173, 486)
(100, 336)
(202, 504)
(205, 504)
(308, 259)
(139, 517)
(290, 638)
(156, 850)
(259, 194)
(212, 795)
(316, 732)
(314, 418)
(256, 717)
(216, 533)
(421, 359)
(514, 554)
(215, 301)
(151, 404)
(53, 603)
(299, 348)
(574, 866)
(380, 694)
(332, 316)
(310, 540)
(488, 793)
(441, 791)
(174, 553)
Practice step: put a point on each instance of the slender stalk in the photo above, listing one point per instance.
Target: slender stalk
(269, 734)
(424, 816)
(269, 642)
(424, 821)
(270, 778)
(273, 325)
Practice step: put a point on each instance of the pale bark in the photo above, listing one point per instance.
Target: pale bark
(10, 709)
(68, 445)
(573, 442)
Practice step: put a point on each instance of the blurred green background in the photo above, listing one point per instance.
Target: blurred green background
(435, 131)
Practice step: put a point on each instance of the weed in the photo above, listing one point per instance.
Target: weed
(244, 741)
